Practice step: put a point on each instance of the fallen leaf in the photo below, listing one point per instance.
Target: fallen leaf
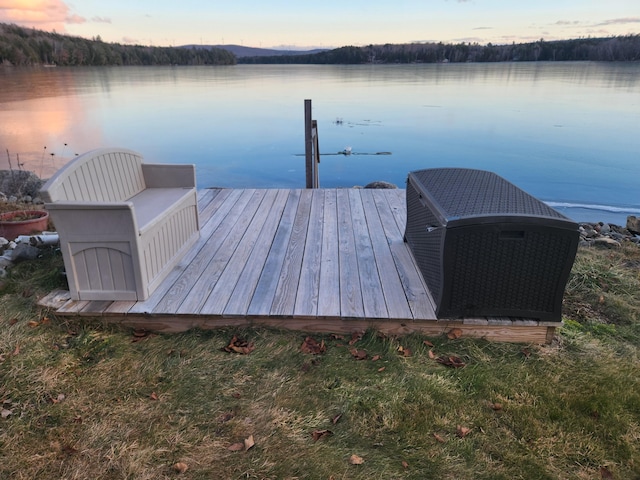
(77, 419)
(236, 447)
(526, 352)
(153, 396)
(358, 354)
(58, 399)
(451, 361)
(225, 417)
(5, 413)
(33, 323)
(69, 450)
(405, 464)
(249, 442)
(355, 336)
(16, 351)
(336, 337)
(13, 321)
(381, 369)
(406, 352)
(181, 467)
(45, 320)
(605, 473)
(439, 438)
(432, 355)
(375, 358)
(428, 343)
(311, 345)
(239, 345)
(336, 418)
(496, 406)
(601, 299)
(356, 460)
(462, 431)
(318, 434)
(454, 334)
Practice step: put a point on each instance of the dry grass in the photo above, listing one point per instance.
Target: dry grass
(87, 401)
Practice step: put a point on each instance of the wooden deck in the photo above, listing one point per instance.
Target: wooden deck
(324, 260)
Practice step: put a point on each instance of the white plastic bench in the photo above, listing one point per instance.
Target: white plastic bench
(123, 224)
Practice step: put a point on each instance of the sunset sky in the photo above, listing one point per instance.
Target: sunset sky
(326, 23)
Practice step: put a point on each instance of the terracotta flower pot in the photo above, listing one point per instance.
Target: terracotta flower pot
(22, 222)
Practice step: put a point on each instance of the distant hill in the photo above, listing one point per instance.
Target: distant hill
(240, 51)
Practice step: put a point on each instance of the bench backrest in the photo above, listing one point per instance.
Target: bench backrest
(102, 175)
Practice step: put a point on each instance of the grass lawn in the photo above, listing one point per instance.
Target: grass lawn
(82, 400)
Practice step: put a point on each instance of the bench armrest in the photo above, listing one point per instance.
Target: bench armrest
(90, 219)
(159, 175)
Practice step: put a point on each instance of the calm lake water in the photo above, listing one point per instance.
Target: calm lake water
(568, 133)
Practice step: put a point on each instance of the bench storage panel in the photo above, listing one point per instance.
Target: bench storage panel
(123, 224)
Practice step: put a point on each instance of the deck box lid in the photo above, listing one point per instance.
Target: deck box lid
(458, 196)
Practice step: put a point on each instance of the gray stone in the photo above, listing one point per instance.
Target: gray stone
(606, 242)
(27, 199)
(13, 199)
(24, 252)
(605, 228)
(633, 224)
(5, 262)
(380, 184)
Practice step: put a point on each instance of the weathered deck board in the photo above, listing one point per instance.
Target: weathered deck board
(315, 260)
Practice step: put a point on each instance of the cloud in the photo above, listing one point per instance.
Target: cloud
(618, 21)
(41, 14)
(567, 22)
(101, 20)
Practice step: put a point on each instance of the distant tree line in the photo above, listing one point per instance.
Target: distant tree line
(624, 48)
(24, 46)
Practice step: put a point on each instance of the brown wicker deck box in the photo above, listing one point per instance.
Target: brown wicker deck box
(487, 248)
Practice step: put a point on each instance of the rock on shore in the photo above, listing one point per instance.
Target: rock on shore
(609, 235)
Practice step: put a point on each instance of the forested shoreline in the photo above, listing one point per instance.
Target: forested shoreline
(626, 48)
(25, 47)
(21, 46)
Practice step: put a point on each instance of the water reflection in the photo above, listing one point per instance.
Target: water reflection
(566, 132)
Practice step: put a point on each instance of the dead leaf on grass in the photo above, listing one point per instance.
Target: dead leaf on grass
(428, 343)
(5, 413)
(311, 345)
(355, 336)
(454, 334)
(33, 323)
(605, 473)
(153, 396)
(58, 399)
(451, 361)
(462, 431)
(405, 352)
(140, 334)
(375, 358)
(249, 442)
(496, 406)
(181, 467)
(225, 417)
(239, 345)
(358, 354)
(432, 355)
(356, 460)
(405, 464)
(16, 351)
(335, 336)
(236, 447)
(13, 321)
(439, 438)
(381, 369)
(319, 434)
